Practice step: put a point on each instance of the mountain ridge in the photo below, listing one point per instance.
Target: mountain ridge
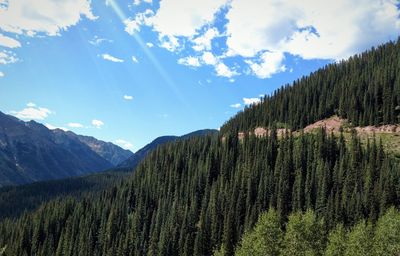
(30, 152)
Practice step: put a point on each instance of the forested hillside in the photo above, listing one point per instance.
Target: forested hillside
(364, 89)
(189, 197)
(15, 200)
(201, 195)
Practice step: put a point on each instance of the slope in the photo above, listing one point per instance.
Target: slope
(30, 152)
(364, 89)
(135, 159)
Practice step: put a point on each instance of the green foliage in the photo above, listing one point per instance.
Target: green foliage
(387, 234)
(265, 239)
(337, 240)
(360, 240)
(304, 235)
(192, 196)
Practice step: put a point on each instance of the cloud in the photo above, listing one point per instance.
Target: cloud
(133, 25)
(150, 45)
(134, 59)
(96, 41)
(1, 74)
(269, 63)
(203, 42)
(7, 57)
(189, 61)
(192, 16)
(108, 57)
(97, 123)
(138, 2)
(262, 33)
(31, 104)
(223, 70)
(75, 125)
(52, 127)
(128, 97)
(306, 29)
(251, 101)
(32, 112)
(170, 43)
(123, 144)
(209, 58)
(237, 105)
(9, 42)
(31, 17)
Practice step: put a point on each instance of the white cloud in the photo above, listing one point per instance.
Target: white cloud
(170, 43)
(7, 57)
(192, 16)
(50, 17)
(250, 101)
(31, 104)
(150, 45)
(263, 32)
(134, 59)
(203, 42)
(237, 105)
(306, 29)
(123, 144)
(133, 25)
(269, 63)
(96, 41)
(108, 57)
(52, 127)
(209, 58)
(75, 125)
(1, 74)
(223, 70)
(9, 42)
(189, 61)
(138, 2)
(128, 97)
(97, 123)
(32, 112)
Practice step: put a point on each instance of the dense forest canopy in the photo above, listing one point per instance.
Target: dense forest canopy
(191, 197)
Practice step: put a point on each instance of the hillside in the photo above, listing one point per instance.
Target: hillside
(364, 89)
(31, 152)
(135, 159)
(203, 195)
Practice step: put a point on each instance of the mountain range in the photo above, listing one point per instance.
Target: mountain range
(30, 152)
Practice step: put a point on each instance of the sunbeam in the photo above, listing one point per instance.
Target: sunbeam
(149, 54)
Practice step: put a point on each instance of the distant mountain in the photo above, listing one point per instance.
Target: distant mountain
(31, 152)
(109, 151)
(135, 159)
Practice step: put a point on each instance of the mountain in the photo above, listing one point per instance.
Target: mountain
(31, 152)
(313, 193)
(135, 159)
(109, 151)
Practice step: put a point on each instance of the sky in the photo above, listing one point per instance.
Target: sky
(128, 71)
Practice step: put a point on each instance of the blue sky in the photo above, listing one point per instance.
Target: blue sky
(129, 71)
